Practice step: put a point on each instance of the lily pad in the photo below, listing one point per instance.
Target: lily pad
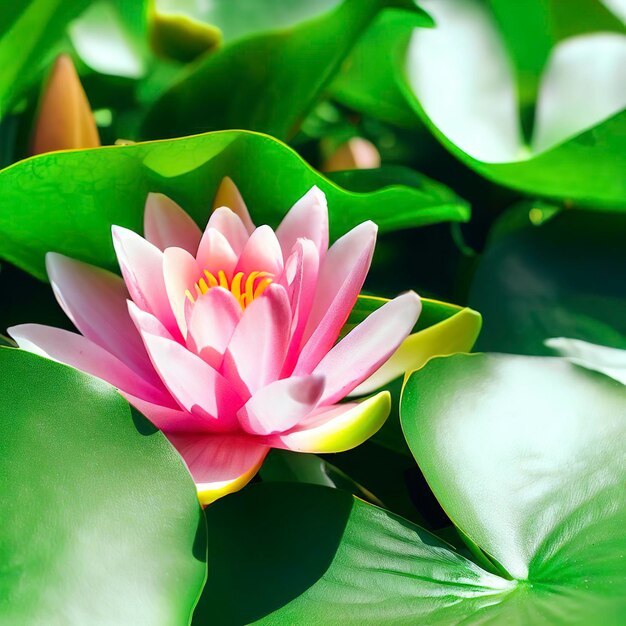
(67, 201)
(100, 519)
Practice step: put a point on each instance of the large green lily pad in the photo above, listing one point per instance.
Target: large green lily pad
(100, 519)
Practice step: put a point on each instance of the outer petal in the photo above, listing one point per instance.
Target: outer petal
(167, 419)
(256, 352)
(147, 323)
(337, 428)
(180, 273)
(142, 267)
(307, 219)
(215, 253)
(166, 225)
(456, 334)
(230, 225)
(281, 405)
(262, 253)
(228, 195)
(211, 322)
(219, 464)
(81, 353)
(95, 301)
(196, 386)
(342, 275)
(368, 346)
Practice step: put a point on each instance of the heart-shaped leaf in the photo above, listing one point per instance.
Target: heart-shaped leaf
(100, 519)
(526, 457)
(67, 201)
(320, 556)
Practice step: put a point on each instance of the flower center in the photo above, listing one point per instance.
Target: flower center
(245, 291)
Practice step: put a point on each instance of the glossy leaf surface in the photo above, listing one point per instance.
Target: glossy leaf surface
(67, 202)
(100, 518)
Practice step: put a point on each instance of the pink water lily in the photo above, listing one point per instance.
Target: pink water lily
(227, 340)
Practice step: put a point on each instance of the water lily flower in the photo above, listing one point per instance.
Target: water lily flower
(227, 339)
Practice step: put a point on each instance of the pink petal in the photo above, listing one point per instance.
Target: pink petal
(230, 225)
(341, 277)
(220, 464)
(166, 225)
(300, 280)
(281, 405)
(79, 352)
(256, 352)
(167, 419)
(368, 346)
(142, 268)
(95, 301)
(180, 273)
(196, 386)
(307, 219)
(262, 253)
(228, 195)
(147, 323)
(215, 253)
(211, 322)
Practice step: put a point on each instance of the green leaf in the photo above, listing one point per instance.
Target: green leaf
(543, 500)
(28, 39)
(537, 124)
(525, 455)
(241, 18)
(372, 83)
(100, 519)
(430, 196)
(531, 28)
(67, 201)
(576, 148)
(270, 96)
(609, 361)
(320, 556)
(556, 278)
(111, 37)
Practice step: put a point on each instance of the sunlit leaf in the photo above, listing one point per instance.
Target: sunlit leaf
(543, 498)
(100, 518)
(67, 201)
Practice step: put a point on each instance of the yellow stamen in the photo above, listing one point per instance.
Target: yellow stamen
(262, 286)
(235, 286)
(250, 288)
(245, 291)
(223, 280)
(212, 280)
